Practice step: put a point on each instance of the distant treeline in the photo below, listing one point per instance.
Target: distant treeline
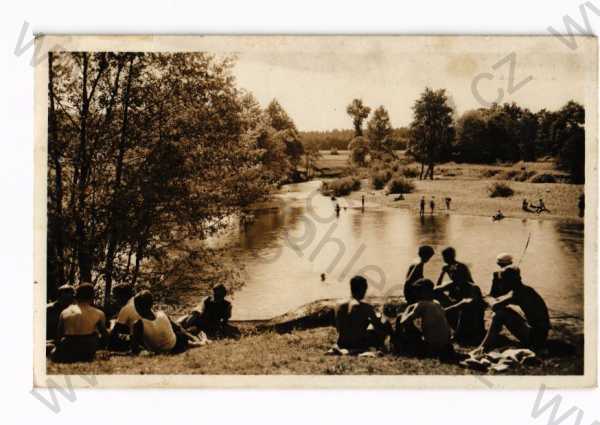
(340, 139)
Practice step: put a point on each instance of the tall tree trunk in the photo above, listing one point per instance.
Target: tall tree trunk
(82, 172)
(55, 243)
(116, 207)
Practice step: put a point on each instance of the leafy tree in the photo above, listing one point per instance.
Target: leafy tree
(358, 112)
(568, 138)
(431, 130)
(285, 133)
(145, 153)
(380, 131)
(359, 148)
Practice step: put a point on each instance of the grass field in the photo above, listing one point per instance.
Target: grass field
(298, 353)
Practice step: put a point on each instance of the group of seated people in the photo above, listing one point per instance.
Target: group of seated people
(531, 207)
(76, 329)
(436, 315)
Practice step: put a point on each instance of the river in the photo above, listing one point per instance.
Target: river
(285, 251)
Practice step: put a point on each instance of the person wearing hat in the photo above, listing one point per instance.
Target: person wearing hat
(503, 260)
(66, 294)
(212, 316)
(78, 328)
(530, 328)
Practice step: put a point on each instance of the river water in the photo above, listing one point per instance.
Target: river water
(285, 251)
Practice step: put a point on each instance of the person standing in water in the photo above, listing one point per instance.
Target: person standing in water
(448, 201)
(337, 210)
(422, 206)
(432, 204)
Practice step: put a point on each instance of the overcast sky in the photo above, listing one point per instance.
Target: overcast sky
(314, 81)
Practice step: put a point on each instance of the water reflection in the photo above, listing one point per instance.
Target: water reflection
(285, 252)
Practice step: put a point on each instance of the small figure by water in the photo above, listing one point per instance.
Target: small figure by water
(498, 216)
(356, 322)
(362, 200)
(432, 204)
(323, 277)
(337, 209)
(581, 204)
(448, 201)
(525, 206)
(540, 207)
(422, 206)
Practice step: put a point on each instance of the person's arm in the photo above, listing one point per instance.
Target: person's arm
(440, 279)
(60, 329)
(503, 301)
(101, 326)
(409, 314)
(137, 337)
(459, 304)
(468, 275)
(227, 314)
(177, 328)
(378, 324)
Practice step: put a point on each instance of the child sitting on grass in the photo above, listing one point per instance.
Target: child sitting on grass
(423, 329)
(358, 326)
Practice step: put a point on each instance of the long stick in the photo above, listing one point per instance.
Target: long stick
(524, 249)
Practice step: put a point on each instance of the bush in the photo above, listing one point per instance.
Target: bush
(379, 178)
(544, 178)
(341, 187)
(400, 184)
(487, 173)
(410, 172)
(500, 190)
(333, 151)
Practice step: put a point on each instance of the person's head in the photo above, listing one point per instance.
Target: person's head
(425, 253)
(358, 287)
(85, 293)
(219, 292)
(143, 302)
(504, 260)
(511, 276)
(424, 290)
(66, 294)
(449, 255)
(122, 293)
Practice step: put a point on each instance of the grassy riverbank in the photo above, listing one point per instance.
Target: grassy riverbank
(303, 353)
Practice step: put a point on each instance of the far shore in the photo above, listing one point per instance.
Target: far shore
(470, 197)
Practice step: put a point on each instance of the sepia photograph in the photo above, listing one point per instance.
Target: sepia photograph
(316, 211)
